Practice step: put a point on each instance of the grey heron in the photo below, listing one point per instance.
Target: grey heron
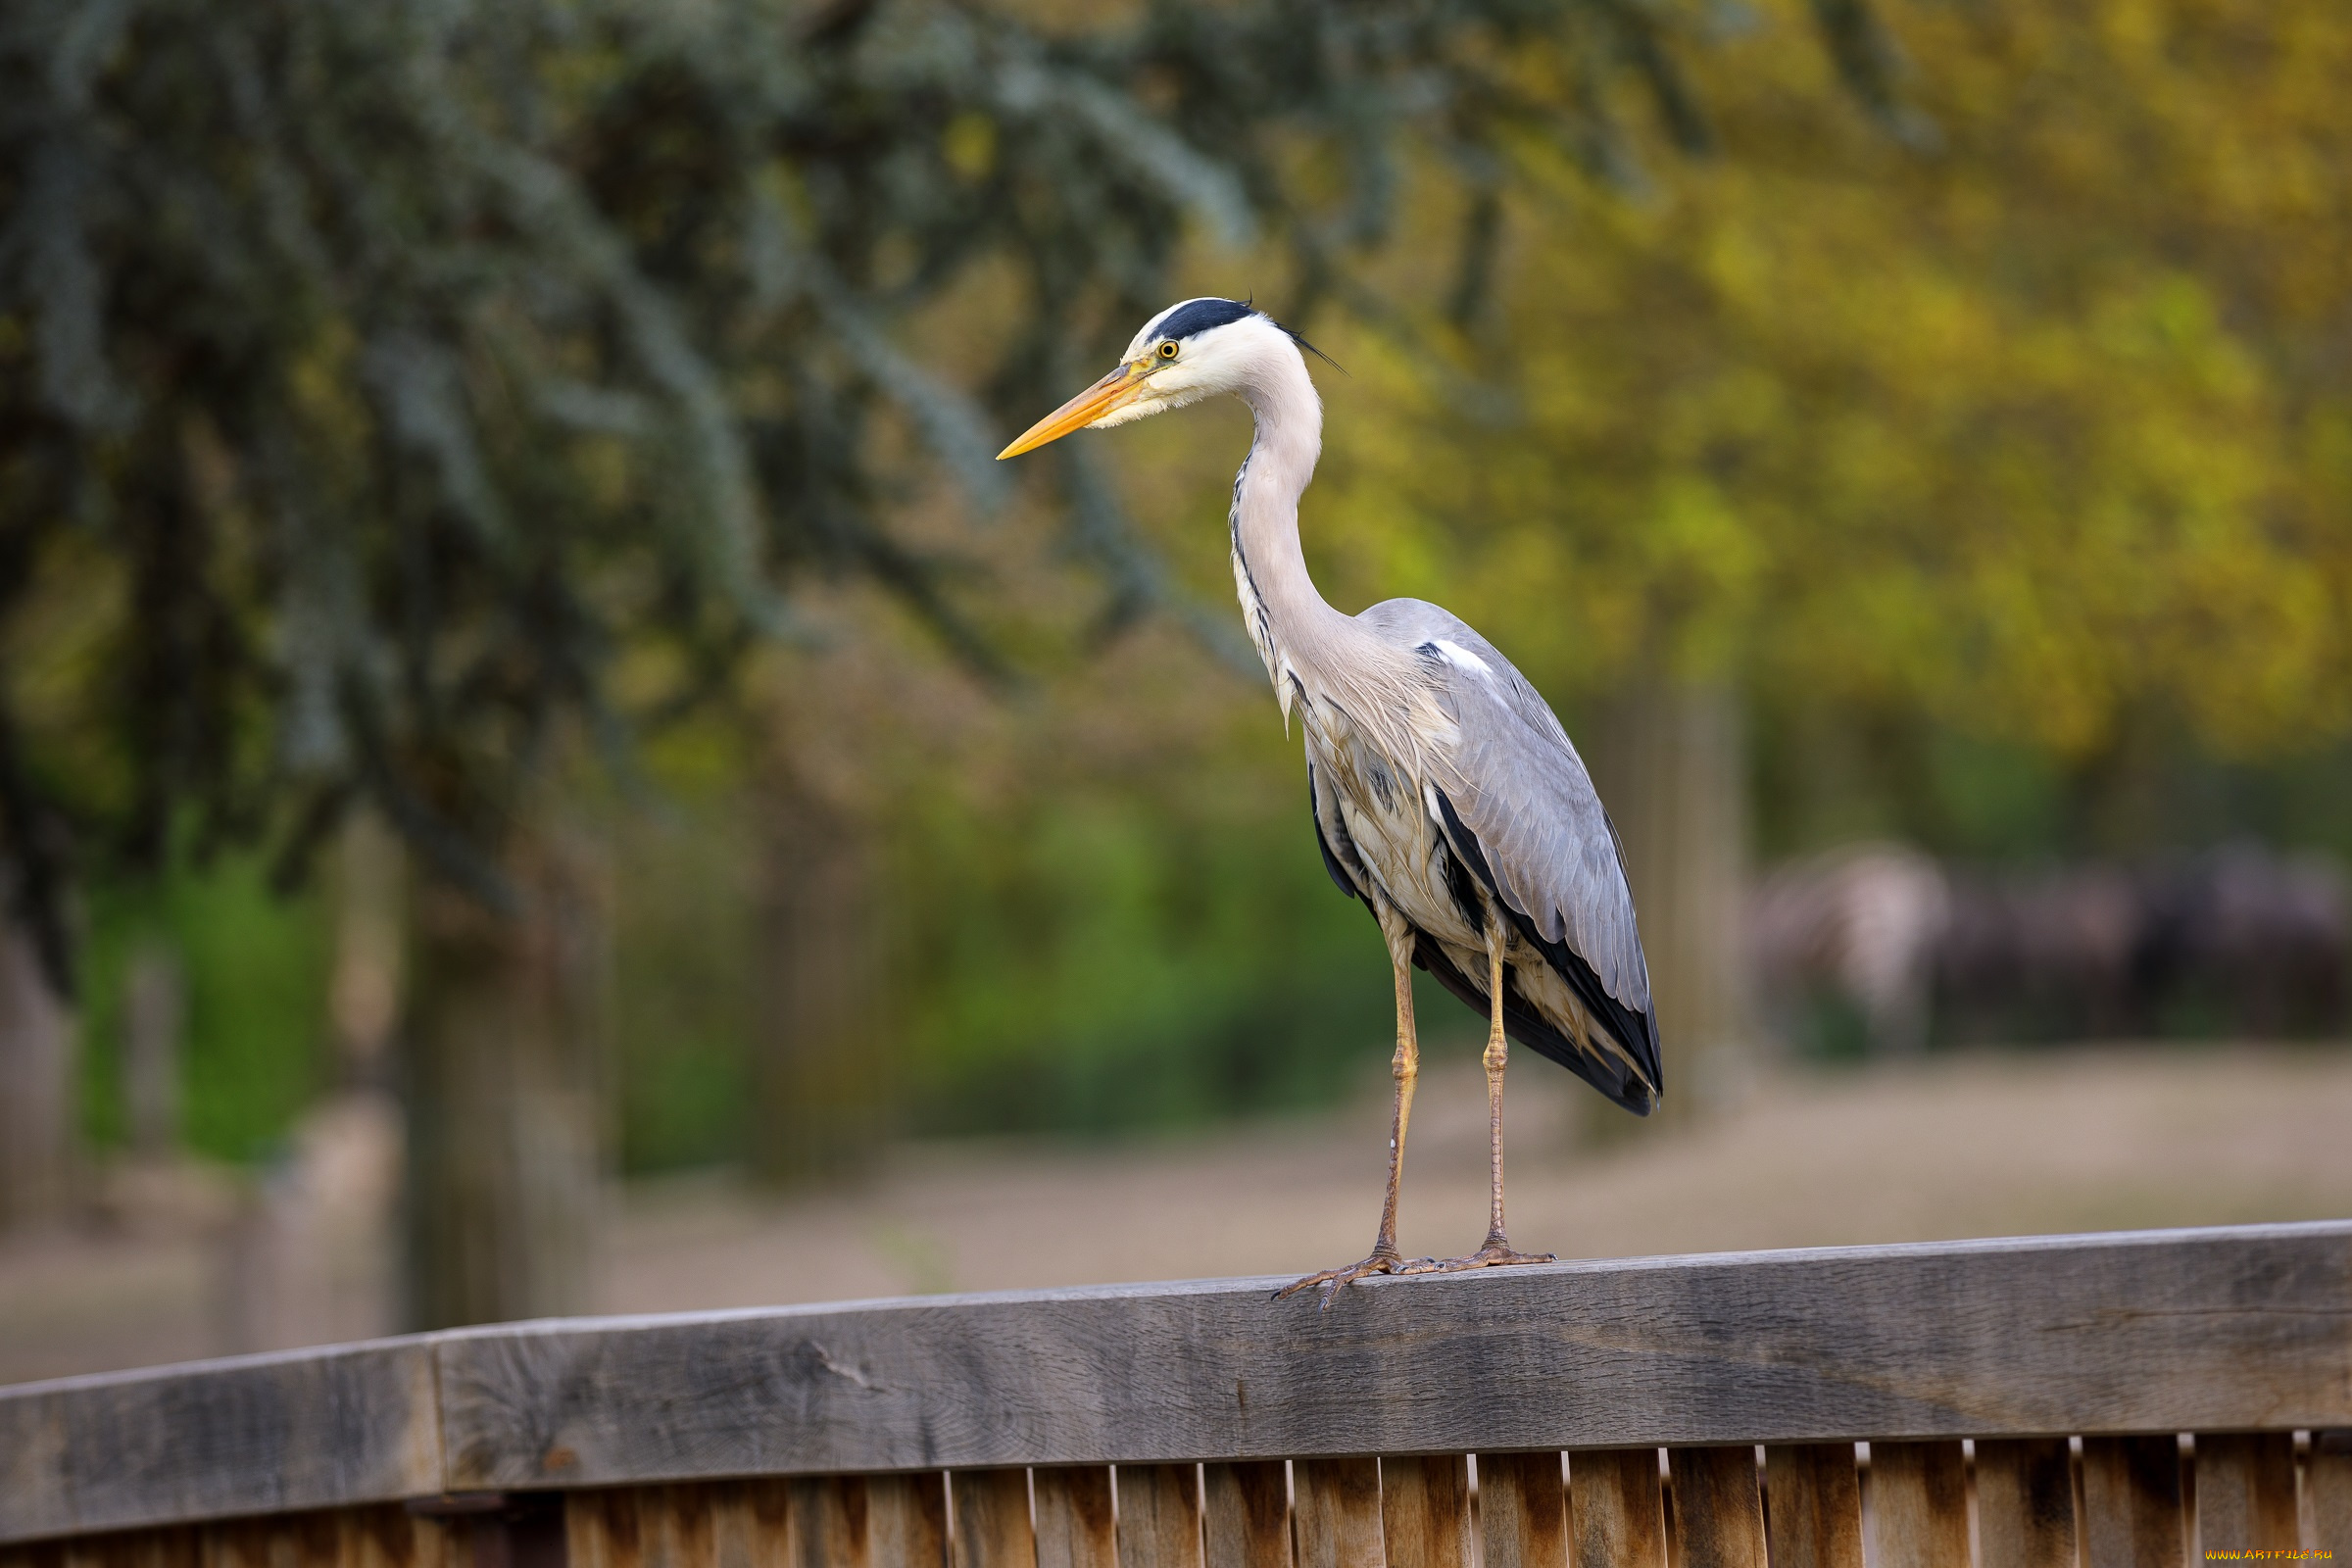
(1446, 794)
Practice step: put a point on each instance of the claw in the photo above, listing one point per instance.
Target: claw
(1330, 1280)
(1497, 1254)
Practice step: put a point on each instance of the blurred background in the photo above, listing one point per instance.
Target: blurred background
(543, 769)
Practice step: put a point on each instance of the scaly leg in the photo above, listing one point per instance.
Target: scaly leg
(1496, 1250)
(1406, 1067)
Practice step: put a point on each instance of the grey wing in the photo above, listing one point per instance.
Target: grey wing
(1524, 815)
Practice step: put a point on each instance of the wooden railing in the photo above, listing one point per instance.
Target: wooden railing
(2149, 1398)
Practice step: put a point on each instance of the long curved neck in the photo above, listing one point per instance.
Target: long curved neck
(1287, 618)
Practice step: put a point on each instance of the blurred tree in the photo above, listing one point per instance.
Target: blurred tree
(396, 400)
(2025, 431)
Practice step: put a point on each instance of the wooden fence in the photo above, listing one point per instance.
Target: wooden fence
(2152, 1398)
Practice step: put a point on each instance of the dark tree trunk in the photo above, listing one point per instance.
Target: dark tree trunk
(1672, 766)
(506, 1124)
(36, 1084)
(819, 1068)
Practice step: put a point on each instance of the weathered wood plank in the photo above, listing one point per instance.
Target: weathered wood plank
(2245, 1490)
(828, 1524)
(2131, 1503)
(2250, 1327)
(750, 1526)
(1337, 1513)
(2328, 1478)
(600, 1530)
(909, 1519)
(2025, 1503)
(1815, 1517)
(1074, 1517)
(1523, 1509)
(1615, 1506)
(217, 1440)
(1425, 1510)
(1918, 1505)
(2215, 1331)
(1159, 1516)
(992, 1528)
(1718, 1507)
(1246, 1514)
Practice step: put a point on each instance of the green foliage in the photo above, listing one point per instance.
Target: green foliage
(1130, 967)
(378, 382)
(2026, 439)
(255, 967)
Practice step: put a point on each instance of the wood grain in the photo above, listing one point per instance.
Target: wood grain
(1074, 1527)
(1616, 1509)
(1718, 1507)
(600, 1530)
(907, 1520)
(1336, 1514)
(828, 1524)
(2245, 1490)
(316, 1429)
(992, 1527)
(2216, 1331)
(750, 1526)
(1815, 1517)
(2249, 1327)
(2327, 1479)
(2131, 1503)
(1425, 1510)
(2025, 1503)
(1523, 1509)
(1246, 1514)
(1919, 1505)
(1159, 1516)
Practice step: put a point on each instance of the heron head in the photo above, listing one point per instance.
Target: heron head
(1190, 350)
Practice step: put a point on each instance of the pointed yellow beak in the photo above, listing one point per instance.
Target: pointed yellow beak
(1115, 391)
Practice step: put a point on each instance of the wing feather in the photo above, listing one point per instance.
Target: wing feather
(1523, 813)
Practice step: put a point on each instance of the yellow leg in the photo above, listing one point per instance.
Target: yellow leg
(1407, 1068)
(1496, 1250)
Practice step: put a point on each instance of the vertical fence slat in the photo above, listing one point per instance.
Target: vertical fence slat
(1246, 1514)
(2131, 1503)
(1073, 1518)
(2025, 1503)
(1425, 1510)
(389, 1537)
(829, 1524)
(1337, 1513)
(1614, 1500)
(2245, 1490)
(2328, 1480)
(1159, 1516)
(907, 1520)
(1918, 1505)
(991, 1519)
(1523, 1509)
(750, 1525)
(1815, 1515)
(1718, 1509)
(600, 1531)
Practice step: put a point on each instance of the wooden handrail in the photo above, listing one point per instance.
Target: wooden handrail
(2245, 1328)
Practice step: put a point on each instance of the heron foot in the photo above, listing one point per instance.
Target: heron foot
(1329, 1282)
(1497, 1254)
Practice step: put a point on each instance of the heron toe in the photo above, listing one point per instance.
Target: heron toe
(1331, 1279)
(1497, 1254)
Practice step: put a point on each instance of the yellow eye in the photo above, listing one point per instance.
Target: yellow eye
(1168, 351)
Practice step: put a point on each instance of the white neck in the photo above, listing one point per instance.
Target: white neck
(1286, 616)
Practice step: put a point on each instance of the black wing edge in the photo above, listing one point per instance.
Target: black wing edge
(1635, 1032)
(1331, 863)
